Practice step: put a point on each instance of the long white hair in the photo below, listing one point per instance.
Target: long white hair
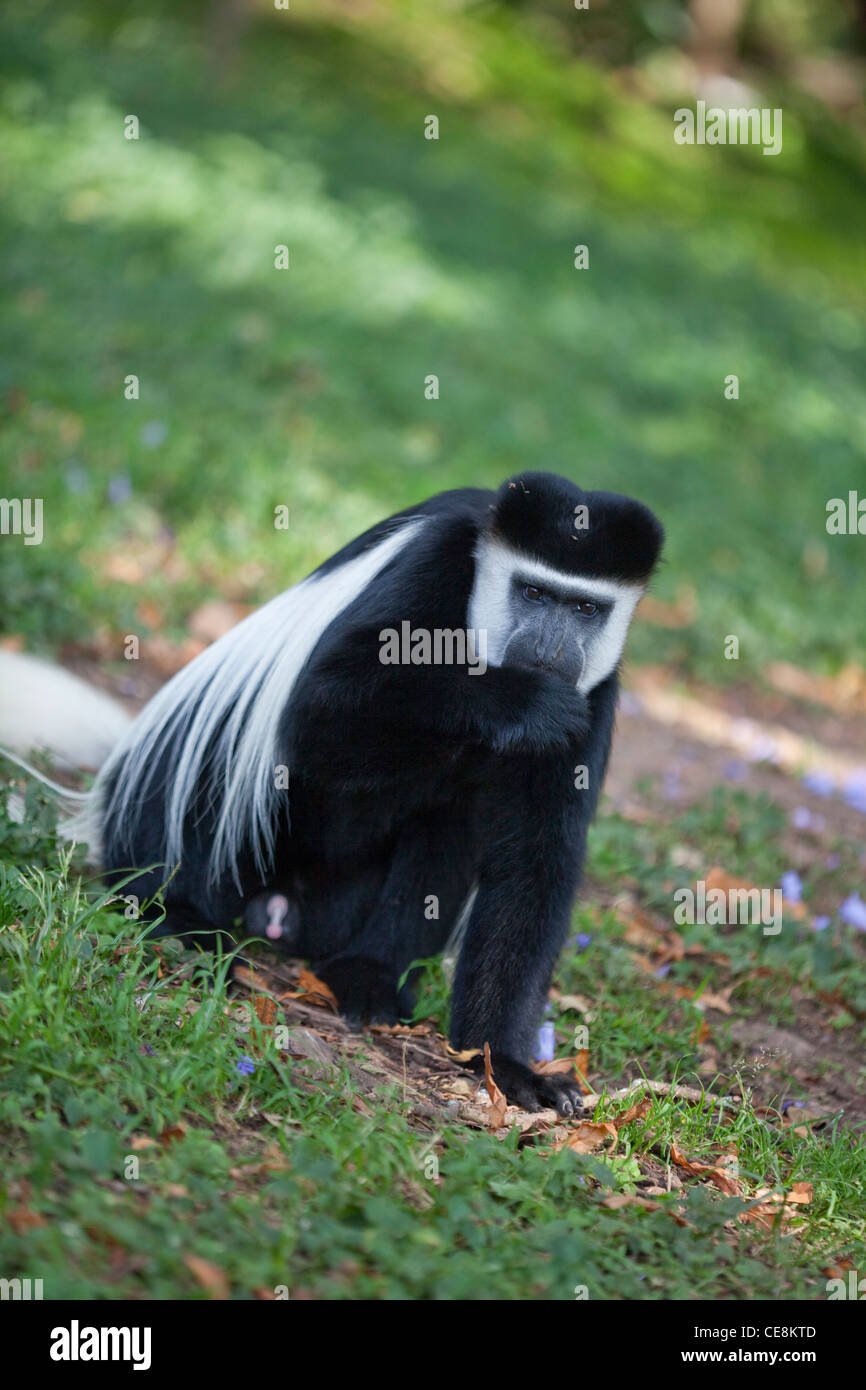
(215, 724)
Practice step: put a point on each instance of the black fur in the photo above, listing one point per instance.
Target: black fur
(414, 781)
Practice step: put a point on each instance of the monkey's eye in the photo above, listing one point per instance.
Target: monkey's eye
(533, 593)
(587, 607)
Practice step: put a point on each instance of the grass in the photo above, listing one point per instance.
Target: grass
(141, 1160)
(134, 1147)
(305, 388)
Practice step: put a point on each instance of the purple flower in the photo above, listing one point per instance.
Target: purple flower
(629, 703)
(76, 476)
(763, 749)
(246, 1066)
(791, 885)
(855, 791)
(833, 861)
(147, 1050)
(671, 786)
(582, 940)
(792, 1105)
(819, 783)
(154, 433)
(735, 770)
(853, 911)
(820, 923)
(663, 970)
(119, 488)
(801, 817)
(545, 1044)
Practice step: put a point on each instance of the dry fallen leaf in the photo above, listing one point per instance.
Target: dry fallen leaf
(615, 1201)
(172, 1133)
(639, 1111)
(716, 877)
(22, 1219)
(215, 618)
(681, 613)
(314, 989)
(573, 1001)
(718, 1174)
(590, 1135)
(142, 1141)
(498, 1103)
(719, 999)
(253, 979)
(209, 1275)
(559, 1066)
(266, 1009)
(424, 1029)
(775, 1207)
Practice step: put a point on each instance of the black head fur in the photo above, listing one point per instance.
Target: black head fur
(535, 514)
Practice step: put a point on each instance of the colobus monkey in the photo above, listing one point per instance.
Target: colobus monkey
(328, 767)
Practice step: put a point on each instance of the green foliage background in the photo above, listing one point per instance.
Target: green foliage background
(409, 257)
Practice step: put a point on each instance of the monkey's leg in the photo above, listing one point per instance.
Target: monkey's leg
(427, 880)
(528, 876)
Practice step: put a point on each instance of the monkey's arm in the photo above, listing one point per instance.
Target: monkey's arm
(507, 709)
(537, 823)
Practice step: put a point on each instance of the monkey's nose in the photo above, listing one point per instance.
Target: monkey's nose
(548, 651)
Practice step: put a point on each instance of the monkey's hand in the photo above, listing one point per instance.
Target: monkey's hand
(546, 712)
(529, 1089)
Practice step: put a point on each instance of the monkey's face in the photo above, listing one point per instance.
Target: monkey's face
(540, 618)
(553, 631)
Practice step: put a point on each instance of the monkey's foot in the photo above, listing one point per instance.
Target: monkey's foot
(366, 991)
(530, 1089)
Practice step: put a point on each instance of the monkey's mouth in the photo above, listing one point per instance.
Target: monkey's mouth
(547, 666)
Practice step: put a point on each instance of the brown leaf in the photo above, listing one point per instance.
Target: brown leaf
(424, 1029)
(266, 1009)
(573, 1001)
(22, 1219)
(316, 989)
(615, 1201)
(581, 1067)
(498, 1103)
(254, 979)
(168, 657)
(681, 613)
(719, 1176)
(638, 1111)
(150, 614)
(209, 1275)
(215, 618)
(720, 999)
(590, 1135)
(716, 877)
(557, 1067)
(172, 1133)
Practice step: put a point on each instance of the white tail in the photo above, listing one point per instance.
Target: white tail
(44, 707)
